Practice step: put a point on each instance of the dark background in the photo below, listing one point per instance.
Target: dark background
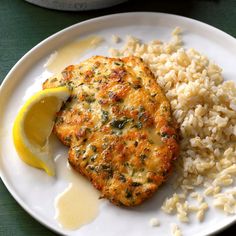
(23, 25)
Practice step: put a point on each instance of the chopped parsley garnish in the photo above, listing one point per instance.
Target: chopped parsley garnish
(67, 140)
(108, 169)
(78, 152)
(70, 85)
(105, 116)
(118, 63)
(128, 193)
(153, 95)
(136, 184)
(122, 178)
(174, 136)
(143, 157)
(89, 98)
(141, 112)
(93, 158)
(59, 120)
(119, 124)
(165, 135)
(137, 86)
(54, 80)
(94, 148)
(139, 125)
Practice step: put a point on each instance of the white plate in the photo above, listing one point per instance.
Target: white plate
(35, 191)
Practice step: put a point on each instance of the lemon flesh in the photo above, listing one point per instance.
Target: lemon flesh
(33, 126)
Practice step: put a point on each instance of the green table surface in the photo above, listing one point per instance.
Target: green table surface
(23, 25)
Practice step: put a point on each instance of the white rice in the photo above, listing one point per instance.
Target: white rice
(175, 230)
(154, 222)
(204, 106)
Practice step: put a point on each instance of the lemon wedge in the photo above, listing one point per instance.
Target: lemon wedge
(33, 126)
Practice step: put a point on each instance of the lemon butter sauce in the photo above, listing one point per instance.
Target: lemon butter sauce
(79, 203)
(69, 53)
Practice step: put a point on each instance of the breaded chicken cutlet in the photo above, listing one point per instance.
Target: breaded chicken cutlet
(118, 127)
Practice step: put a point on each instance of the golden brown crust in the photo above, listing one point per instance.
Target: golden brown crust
(118, 126)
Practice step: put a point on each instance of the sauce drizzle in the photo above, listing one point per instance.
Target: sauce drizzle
(78, 204)
(67, 54)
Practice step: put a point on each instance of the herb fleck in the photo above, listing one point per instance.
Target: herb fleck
(118, 63)
(89, 98)
(67, 140)
(139, 125)
(107, 169)
(150, 141)
(54, 80)
(93, 158)
(114, 96)
(137, 86)
(122, 178)
(70, 85)
(141, 112)
(143, 157)
(128, 193)
(165, 135)
(59, 120)
(91, 167)
(119, 124)
(78, 151)
(94, 148)
(105, 116)
(174, 136)
(153, 94)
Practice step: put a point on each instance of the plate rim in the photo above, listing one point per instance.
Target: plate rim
(7, 80)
